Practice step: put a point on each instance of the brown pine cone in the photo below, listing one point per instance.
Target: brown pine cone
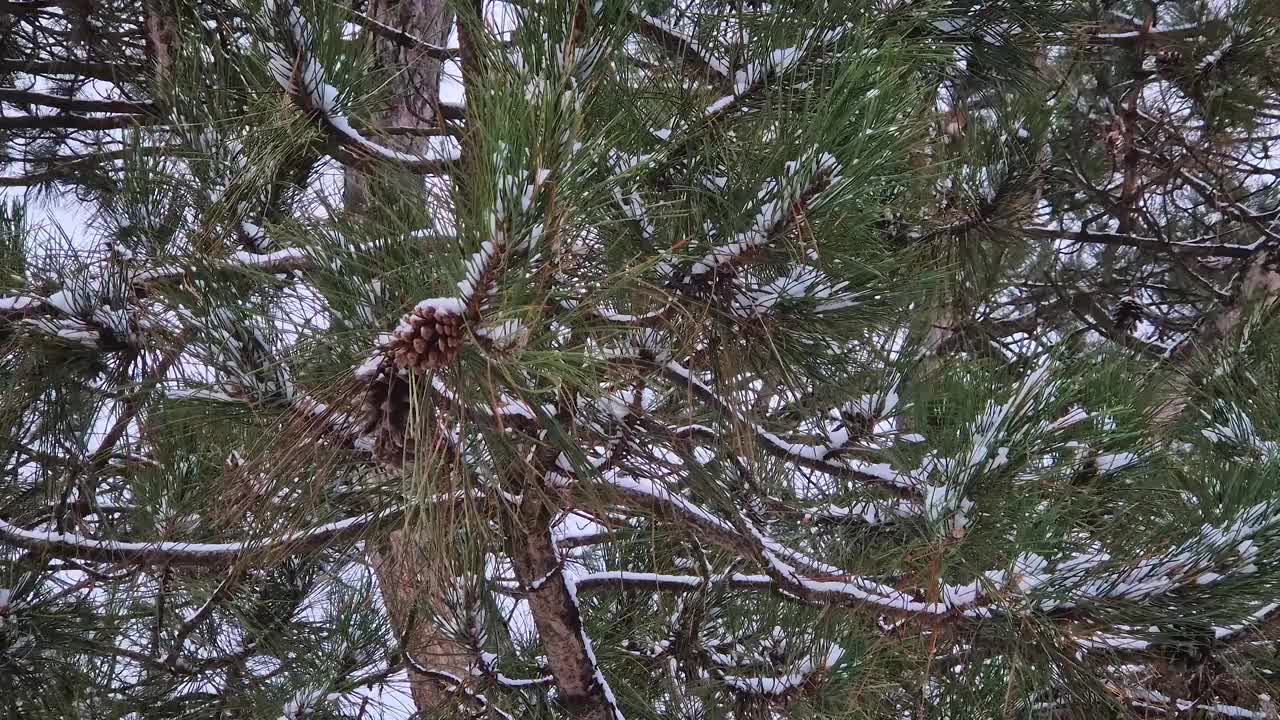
(385, 416)
(428, 337)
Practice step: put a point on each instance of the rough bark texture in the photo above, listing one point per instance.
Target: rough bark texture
(162, 39)
(412, 593)
(555, 613)
(411, 589)
(414, 85)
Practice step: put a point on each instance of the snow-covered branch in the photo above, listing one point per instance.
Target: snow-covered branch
(80, 547)
(296, 68)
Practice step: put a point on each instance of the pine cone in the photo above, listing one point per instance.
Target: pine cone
(427, 338)
(1169, 58)
(1127, 314)
(385, 416)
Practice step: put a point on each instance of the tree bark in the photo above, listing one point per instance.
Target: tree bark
(162, 40)
(554, 606)
(414, 85)
(413, 590)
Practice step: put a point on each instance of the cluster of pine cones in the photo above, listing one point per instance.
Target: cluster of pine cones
(428, 338)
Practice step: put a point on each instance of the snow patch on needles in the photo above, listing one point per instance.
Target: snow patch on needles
(1218, 552)
(1237, 429)
(306, 703)
(781, 685)
(946, 503)
(801, 283)
(774, 205)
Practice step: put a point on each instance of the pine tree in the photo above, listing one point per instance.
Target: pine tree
(863, 358)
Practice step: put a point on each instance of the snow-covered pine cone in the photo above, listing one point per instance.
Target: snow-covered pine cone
(428, 337)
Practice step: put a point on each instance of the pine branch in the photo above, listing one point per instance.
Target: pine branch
(122, 552)
(1201, 247)
(16, 96)
(553, 602)
(110, 72)
(684, 51)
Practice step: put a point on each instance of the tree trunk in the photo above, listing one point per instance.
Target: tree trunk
(162, 41)
(413, 590)
(414, 84)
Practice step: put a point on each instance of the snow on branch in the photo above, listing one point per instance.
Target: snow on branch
(552, 596)
(513, 227)
(645, 494)
(685, 50)
(800, 284)
(777, 686)
(80, 547)
(306, 703)
(817, 457)
(1236, 429)
(776, 206)
(240, 347)
(1257, 616)
(1008, 422)
(294, 66)
(827, 590)
(455, 685)
(870, 512)
(755, 76)
(1158, 701)
(1216, 553)
(788, 566)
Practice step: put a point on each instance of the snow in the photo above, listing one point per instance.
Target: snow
(73, 541)
(798, 283)
(1216, 55)
(18, 302)
(641, 578)
(1105, 641)
(572, 589)
(1238, 429)
(869, 591)
(717, 65)
(1262, 613)
(505, 334)
(773, 204)
(324, 97)
(1115, 461)
(783, 684)
(720, 105)
(70, 301)
(448, 305)
(306, 703)
(69, 330)
(267, 259)
(369, 368)
(1161, 702)
(477, 265)
(1073, 417)
(870, 512)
